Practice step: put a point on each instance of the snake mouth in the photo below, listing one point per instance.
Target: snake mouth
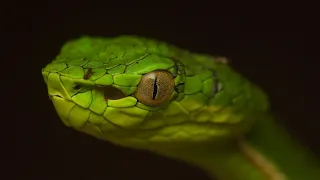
(76, 116)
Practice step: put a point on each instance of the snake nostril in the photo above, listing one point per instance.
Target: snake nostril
(59, 96)
(55, 95)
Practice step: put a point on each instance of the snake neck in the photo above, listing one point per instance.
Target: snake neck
(266, 153)
(223, 161)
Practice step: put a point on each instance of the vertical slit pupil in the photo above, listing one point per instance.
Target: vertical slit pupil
(155, 89)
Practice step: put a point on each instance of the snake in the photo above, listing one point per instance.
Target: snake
(150, 95)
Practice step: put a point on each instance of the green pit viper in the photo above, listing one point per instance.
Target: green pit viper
(146, 94)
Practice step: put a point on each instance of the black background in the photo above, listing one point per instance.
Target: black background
(269, 49)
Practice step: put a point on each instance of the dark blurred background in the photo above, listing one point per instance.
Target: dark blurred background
(268, 48)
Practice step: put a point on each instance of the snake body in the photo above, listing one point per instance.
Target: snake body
(147, 94)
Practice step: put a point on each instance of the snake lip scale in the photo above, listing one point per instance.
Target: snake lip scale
(214, 125)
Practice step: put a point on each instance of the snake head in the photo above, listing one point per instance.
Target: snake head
(147, 94)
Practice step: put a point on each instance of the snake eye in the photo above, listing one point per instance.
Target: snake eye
(155, 88)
